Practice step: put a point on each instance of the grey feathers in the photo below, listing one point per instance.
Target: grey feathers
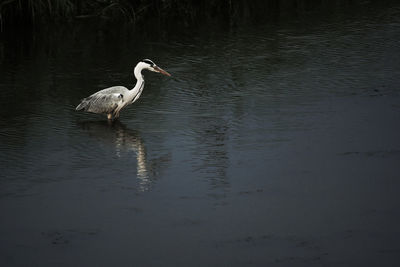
(105, 101)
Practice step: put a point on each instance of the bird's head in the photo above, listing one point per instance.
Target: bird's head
(150, 65)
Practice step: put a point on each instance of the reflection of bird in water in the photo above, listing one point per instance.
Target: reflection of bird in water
(111, 100)
(124, 139)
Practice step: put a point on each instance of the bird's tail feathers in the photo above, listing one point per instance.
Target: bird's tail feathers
(82, 105)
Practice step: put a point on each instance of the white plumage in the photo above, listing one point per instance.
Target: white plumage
(111, 100)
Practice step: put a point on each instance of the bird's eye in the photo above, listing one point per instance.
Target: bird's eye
(148, 61)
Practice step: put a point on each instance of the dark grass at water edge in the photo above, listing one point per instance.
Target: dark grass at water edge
(29, 13)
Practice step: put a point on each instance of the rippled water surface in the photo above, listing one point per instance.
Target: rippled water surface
(270, 145)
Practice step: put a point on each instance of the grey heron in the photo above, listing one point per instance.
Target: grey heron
(111, 100)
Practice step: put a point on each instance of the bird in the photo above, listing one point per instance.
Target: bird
(111, 100)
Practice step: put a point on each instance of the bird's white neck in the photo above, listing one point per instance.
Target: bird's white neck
(136, 91)
(138, 73)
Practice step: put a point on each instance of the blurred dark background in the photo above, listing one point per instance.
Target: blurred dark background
(36, 13)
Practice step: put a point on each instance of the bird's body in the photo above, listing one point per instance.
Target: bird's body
(111, 100)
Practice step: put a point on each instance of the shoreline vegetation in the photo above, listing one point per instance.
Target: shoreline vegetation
(27, 14)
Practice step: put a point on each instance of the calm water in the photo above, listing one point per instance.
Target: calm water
(270, 146)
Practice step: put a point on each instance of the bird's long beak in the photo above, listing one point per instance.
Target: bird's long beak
(160, 70)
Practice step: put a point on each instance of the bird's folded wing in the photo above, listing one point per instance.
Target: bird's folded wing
(102, 102)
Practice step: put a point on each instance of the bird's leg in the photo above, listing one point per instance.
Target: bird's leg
(112, 116)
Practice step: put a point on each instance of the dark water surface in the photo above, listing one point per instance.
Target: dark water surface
(271, 145)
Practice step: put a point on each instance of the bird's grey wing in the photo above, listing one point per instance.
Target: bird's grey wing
(104, 101)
